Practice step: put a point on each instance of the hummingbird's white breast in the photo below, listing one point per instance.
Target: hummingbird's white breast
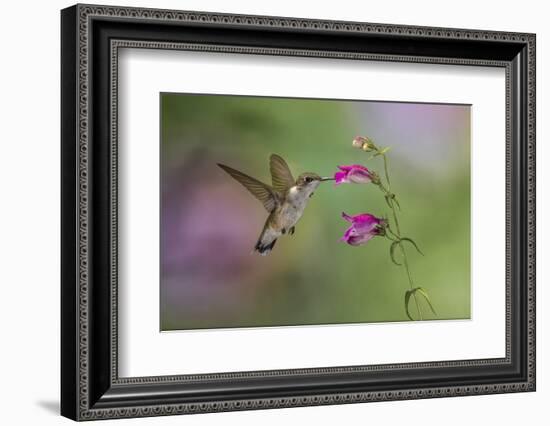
(296, 201)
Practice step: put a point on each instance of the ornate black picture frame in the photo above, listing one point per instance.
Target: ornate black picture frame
(91, 36)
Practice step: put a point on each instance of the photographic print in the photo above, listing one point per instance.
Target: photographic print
(285, 211)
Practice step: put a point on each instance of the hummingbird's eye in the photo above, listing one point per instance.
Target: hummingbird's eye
(309, 179)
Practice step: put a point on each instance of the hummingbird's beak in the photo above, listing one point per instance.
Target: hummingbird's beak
(326, 178)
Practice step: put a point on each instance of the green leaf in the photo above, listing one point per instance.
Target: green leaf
(408, 295)
(392, 253)
(413, 243)
(424, 293)
(382, 152)
(388, 202)
(396, 202)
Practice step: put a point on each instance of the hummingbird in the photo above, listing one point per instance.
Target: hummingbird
(285, 200)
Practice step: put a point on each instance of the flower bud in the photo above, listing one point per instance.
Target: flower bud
(358, 142)
(363, 143)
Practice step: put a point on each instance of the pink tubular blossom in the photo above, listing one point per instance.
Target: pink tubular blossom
(363, 228)
(353, 174)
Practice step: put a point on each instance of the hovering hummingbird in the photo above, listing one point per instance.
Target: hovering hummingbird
(285, 200)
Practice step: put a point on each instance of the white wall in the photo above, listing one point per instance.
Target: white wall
(29, 211)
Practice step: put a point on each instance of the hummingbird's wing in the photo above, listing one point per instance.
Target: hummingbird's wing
(281, 175)
(263, 192)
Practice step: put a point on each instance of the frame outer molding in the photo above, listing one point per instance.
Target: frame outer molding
(75, 401)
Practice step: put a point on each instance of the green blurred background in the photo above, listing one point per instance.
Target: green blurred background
(210, 223)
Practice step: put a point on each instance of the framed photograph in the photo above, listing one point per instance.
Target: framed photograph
(263, 212)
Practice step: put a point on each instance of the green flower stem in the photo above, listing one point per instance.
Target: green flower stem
(386, 170)
(390, 197)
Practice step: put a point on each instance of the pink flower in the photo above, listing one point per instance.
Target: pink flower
(353, 174)
(363, 228)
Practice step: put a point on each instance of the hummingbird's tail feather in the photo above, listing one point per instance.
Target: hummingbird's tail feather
(264, 249)
(267, 241)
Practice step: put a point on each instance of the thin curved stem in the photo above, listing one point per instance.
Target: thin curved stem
(386, 170)
(390, 197)
(406, 264)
